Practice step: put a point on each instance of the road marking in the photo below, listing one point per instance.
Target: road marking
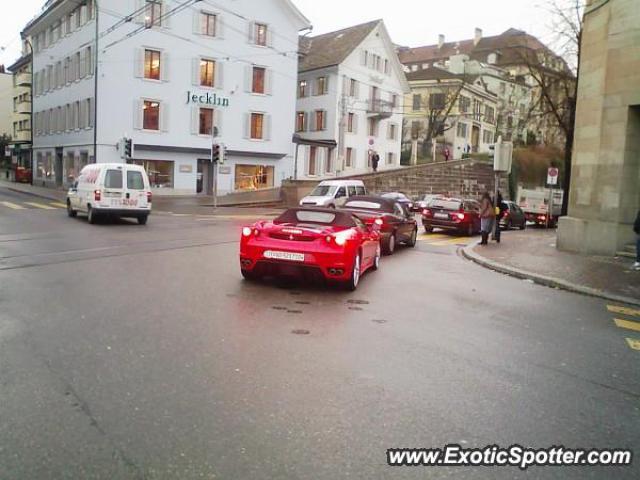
(627, 324)
(635, 344)
(623, 310)
(433, 236)
(39, 205)
(452, 241)
(58, 205)
(13, 206)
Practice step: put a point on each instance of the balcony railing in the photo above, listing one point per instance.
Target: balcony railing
(22, 136)
(379, 108)
(23, 108)
(23, 80)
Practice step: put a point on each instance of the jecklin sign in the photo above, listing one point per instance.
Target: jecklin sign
(207, 99)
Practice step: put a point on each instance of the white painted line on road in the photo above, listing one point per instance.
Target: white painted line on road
(39, 205)
(13, 206)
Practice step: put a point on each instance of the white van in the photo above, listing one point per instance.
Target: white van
(111, 189)
(332, 193)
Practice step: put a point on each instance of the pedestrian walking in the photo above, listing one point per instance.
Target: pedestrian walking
(375, 160)
(447, 154)
(487, 216)
(500, 208)
(636, 228)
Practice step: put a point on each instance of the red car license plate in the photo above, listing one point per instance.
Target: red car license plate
(292, 257)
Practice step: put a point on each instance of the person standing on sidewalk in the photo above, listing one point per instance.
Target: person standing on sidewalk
(487, 215)
(636, 228)
(500, 208)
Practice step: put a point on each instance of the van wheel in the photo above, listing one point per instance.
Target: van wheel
(70, 211)
(91, 217)
(143, 219)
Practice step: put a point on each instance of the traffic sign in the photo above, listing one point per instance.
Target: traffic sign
(552, 176)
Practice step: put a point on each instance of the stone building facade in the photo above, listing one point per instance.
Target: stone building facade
(605, 183)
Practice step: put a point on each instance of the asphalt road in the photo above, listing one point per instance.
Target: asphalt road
(138, 352)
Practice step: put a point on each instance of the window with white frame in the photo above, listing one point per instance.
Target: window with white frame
(205, 121)
(461, 130)
(352, 123)
(151, 64)
(391, 158)
(150, 115)
(303, 89)
(260, 34)
(353, 87)
(487, 136)
(320, 120)
(207, 72)
(208, 24)
(322, 85)
(393, 131)
(301, 121)
(153, 13)
(258, 80)
(257, 126)
(349, 157)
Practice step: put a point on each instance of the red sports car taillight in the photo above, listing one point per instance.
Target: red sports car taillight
(460, 216)
(379, 221)
(246, 232)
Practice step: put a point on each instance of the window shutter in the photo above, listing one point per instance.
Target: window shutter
(363, 58)
(195, 120)
(90, 55)
(248, 78)
(327, 84)
(138, 63)
(270, 35)
(266, 134)
(355, 123)
(312, 123)
(166, 19)
(83, 66)
(268, 81)
(324, 120)
(195, 71)
(217, 120)
(83, 15)
(164, 117)
(164, 66)
(92, 112)
(219, 72)
(345, 85)
(251, 26)
(306, 122)
(357, 89)
(137, 114)
(388, 131)
(197, 22)
(247, 125)
(220, 27)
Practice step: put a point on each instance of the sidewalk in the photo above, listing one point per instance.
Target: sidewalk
(41, 192)
(532, 254)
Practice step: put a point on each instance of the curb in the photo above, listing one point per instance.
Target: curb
(469, 254)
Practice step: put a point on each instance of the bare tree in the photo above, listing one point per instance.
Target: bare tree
(555, 79)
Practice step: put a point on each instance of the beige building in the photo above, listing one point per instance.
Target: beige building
(6, 94)
(21, 111)
(605, 182)
(456, 110)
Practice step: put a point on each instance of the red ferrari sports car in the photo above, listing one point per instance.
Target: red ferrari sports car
(311, 242)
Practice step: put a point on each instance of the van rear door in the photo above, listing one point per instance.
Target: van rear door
(114, 187)
(136, 190)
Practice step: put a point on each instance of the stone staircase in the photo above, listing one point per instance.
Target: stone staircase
(629, 251)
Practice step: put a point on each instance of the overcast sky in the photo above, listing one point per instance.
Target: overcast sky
(410, 22)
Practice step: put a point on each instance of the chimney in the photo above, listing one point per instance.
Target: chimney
(477, 37)
(440, 41)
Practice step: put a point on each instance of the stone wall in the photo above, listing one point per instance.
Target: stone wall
(467, 178)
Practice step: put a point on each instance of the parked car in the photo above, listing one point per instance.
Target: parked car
(396, 222)
(513, 217)
(421, 204)
(462, 216)
(333, 244)
(111, 189)
(332, 193)
(399, 197)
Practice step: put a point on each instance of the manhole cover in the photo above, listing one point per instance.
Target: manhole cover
(358, 302)
(300, 331)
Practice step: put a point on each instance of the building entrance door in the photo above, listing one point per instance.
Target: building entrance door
(59, 166)
(204, 182)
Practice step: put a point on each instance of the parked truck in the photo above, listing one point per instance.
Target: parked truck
(535, 204)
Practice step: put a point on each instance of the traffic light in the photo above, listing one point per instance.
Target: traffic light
(128, 148)
(215, 153)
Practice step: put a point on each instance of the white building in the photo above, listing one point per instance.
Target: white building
(350, 90)
(168, 73)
